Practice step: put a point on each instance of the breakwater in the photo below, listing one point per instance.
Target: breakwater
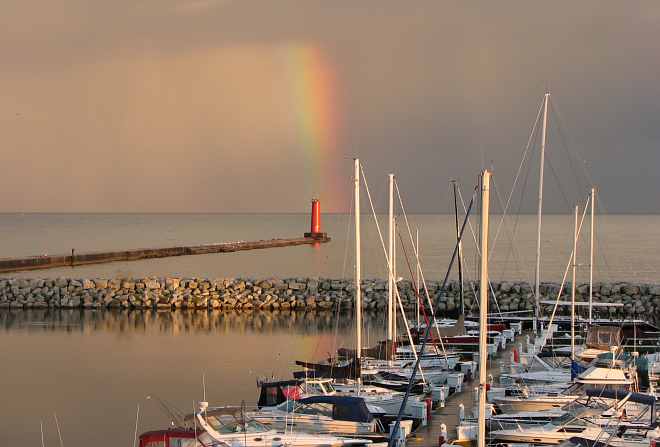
(100, 257)
(244, 294)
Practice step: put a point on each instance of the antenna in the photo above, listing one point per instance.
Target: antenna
(137, 418)
(59, 433)
(195, 420)
(174, 414)
(204, 385)
(41, 424)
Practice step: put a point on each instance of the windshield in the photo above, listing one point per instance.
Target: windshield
(322, 409)
(576, 417)
(226, 424)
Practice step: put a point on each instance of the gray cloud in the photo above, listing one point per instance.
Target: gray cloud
(186, 106)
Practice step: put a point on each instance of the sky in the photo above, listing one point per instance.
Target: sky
(258, 106)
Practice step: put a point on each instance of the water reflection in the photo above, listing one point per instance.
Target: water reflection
(179, 322)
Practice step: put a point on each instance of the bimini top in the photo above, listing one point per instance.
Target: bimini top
(274, 393)
(595, 375)
(344, 408)
(603, 337)
(619, 395)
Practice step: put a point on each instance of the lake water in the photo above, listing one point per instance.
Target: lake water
(94, 368)
(627, 246)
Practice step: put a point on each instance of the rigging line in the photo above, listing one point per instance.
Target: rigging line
(556, 177)
(418, 299)
(560, 122)
(343, 269)
(403, 313)
(507, 233)
(427, 331)
(522, 163)
(478, 249)
(421, 270)
(572, 160)
(563, 281)
(584, 165)
(470, 281)
(373, 213)
(520, 203)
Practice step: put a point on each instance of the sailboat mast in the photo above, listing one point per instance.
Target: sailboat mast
(394, 286)
(460, 252)
(417, 274)
(390, 275)
(537, 276)
(483, 307)
(358, 300)
(591, 254)
(575, 236)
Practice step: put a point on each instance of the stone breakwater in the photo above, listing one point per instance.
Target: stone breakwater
(300, 294)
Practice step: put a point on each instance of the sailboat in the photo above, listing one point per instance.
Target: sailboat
(350, 372)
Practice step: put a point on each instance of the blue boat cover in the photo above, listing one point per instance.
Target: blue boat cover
(577, 369)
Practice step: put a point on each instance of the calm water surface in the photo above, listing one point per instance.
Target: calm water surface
(94, 368)
(627, 246)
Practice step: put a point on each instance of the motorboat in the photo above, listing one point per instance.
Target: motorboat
(276, 392)
(632, 411)
(338, 415)
(596, 377)
(231, 426)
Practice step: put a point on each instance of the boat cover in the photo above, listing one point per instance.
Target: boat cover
(384, 350)
(274, 393)
(344, 408)
(350, 371)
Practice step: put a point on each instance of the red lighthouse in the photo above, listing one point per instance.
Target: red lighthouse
(315, 227)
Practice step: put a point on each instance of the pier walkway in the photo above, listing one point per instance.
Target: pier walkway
(53, 261)
(428, 436)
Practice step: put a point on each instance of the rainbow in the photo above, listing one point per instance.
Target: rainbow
(314, 106)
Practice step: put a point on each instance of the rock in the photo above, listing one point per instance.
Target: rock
(629, 289)
(297, 286)
(88, 284)
(506, 287)
(151, 284)
(172, 283)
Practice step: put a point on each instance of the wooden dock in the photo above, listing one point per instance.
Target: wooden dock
(71, 260)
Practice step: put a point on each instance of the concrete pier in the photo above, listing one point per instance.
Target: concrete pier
(73, 259)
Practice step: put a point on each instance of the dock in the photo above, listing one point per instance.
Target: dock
(313, 237)
(99, 257)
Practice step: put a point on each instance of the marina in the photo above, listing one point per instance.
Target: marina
(484, 272)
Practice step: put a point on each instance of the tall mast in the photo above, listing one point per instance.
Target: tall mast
(537, 277)
(358, 300)
(390, 274)
(483, 307)
(591, 253)
(417, 274)
(575, 233)
(460, 251)
(394, 276)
